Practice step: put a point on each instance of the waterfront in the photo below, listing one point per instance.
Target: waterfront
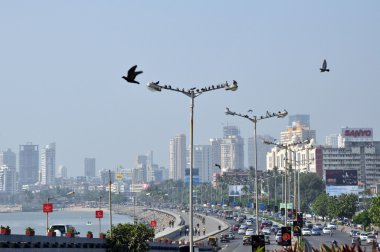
(18, 221)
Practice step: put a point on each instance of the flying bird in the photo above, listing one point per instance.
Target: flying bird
(324, 67)
(131, 76)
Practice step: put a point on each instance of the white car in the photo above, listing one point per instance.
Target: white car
(245, 226)
(249, 231)
(371, 238)
(241, 231)
(266, 231)
(326, 230)
(331, 225)
(306, 231)
(363, 236)
(249, 222)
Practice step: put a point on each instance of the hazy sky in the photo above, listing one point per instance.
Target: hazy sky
(61, 65)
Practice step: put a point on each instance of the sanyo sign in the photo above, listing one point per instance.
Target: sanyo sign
(357, 132)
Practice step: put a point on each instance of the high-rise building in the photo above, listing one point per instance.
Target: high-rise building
(215, 149)
(7, 180)
(8, 158)
(141, 169)
(62, 171)
(231, 149)
(177, 157)
(90, 167)
(203, 162)
(28, 164)
(298, 132)
(332, 140)
(47, 172)
(302, 119)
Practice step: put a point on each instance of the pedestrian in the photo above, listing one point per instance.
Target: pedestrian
(199, 232)
(204, 231)
(187, 231)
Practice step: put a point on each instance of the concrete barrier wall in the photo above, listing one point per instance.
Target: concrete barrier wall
(47, 243)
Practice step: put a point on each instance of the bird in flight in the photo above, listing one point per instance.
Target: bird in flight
(324, 67)
(131, 76)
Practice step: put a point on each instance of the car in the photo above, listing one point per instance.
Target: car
(266, 231)
(305, 231)
(331, 225)
(353, 232)
(245, 226)
(279, 237)
(247, 240)
(315, 231)
(249, 231)
(326, 230)
(356, 241)
(224, 238)
(318, 225)
(61, 229)
(363, 236)
(249, 222)
(235, 227)
(241, 230)
(371, 238)
(231, 236)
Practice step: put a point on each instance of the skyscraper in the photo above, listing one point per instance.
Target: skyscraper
(47, 172)
(89, 167)
(8, 158)
(8, 171)
(232, 149)
(177, 157)
(262, 150)
(62, 171)
(203, 162)
(28, 164)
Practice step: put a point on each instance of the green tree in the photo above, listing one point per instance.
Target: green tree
(374, 211)
(320, 205)
(311, 185)
(362, 218)
(347, 205)
(130, 237)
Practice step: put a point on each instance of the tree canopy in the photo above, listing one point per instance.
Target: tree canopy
(374, 211)
(130, 237)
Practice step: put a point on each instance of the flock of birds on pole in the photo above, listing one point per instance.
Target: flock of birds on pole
(132, 74)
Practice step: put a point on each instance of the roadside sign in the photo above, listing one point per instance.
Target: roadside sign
(99, 214)
(153, 223)
(47, 207)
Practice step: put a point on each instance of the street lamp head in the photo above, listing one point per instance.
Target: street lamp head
(232, 87)
(282, 114)
(153, 86)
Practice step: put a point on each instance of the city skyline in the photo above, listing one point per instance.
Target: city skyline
(62, 82)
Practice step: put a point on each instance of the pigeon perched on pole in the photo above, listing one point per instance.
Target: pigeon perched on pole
(131, 76)
(324, 67)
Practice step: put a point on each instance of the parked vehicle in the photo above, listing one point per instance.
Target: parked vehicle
(61, 229)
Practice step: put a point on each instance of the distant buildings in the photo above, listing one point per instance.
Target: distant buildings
(28, 164)
(47, 171)
(231, 149)
(177, 157)
(89, 167)
(8, 183)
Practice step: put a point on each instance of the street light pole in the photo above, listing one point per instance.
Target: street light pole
(192, 93)
(286, 147)
(254, 120)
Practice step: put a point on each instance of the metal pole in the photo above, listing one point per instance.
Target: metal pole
(299, 193)
(191, 173)
(110, 201)
(256, 179)
(47, 217)
(275, 190)
(100, 222)
(295, 203)
(285, 179)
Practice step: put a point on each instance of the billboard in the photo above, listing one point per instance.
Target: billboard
(341, 177)
(238, 190)
(341, 182)
(357, 132)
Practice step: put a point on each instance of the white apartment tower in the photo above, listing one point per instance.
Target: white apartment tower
(231, 149)
(203, 162)
(47, 172)
(177, 157)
